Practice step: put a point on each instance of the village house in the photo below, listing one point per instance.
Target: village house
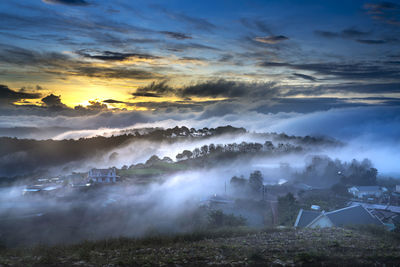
(354, 215)
(366, 191)
(103, 176)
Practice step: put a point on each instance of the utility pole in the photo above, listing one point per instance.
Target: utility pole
(263, 192)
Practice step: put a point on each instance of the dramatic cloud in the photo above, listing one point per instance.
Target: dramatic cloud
(8, 96)
(64, 65)
(115, 56)
(371, 41)
(210, 89)
(67, 2)
(386, 12)
(306, 77)
(176, 35)
(343, 70)
(224, 88)
(271, 39)
(349, 33)
(53, 101)
(112, 101)
(154, 90)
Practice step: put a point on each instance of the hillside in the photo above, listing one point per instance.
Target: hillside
(29, 157)
(227, 247)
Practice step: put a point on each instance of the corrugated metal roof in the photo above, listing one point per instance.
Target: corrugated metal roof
(368, 188)
(377, 206)
(305, 217)
(351, 216)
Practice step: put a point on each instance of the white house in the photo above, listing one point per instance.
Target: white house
(365, 191)
(398, 188)
(354, 215)
(103, 175)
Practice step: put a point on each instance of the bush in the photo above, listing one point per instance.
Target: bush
(287, 210)
(218, 219)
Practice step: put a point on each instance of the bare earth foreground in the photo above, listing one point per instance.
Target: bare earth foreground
(239, 247)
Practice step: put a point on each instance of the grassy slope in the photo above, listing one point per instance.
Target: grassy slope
(224, 247)
(160, 168)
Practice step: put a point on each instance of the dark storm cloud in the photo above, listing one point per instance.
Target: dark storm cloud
(53, 101)
(369, 41)
(154, 90)
(113, 101)
(68, 2)
(114, 56)
(219, 88)
(342, 70)
(306, 77)
(64, 65)
(176, 35)
(349, 33)
(210, 89)
(386, 12)
(274, 39)
(8, 96)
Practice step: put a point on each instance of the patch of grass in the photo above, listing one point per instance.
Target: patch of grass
(256, 256)
(310, 257)
(159, 168)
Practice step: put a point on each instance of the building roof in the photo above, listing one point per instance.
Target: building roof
(391, 208)
(101, 172)
(352, 215)
(367, 188)
(305, 217)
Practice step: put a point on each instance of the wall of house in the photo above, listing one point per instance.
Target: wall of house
(365, 194)
(321, 222)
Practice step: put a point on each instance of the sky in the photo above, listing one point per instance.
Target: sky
(87, 64)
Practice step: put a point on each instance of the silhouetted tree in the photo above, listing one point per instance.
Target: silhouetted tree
(256, 181)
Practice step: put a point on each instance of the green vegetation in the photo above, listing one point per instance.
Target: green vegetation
(155, 169)
(217, 219)
(327, 199)
(225, 246)
(288, 208)
(43, 154)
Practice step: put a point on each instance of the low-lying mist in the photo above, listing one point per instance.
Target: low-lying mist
(170, 204)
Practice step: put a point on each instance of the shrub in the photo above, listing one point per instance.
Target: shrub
(218, 219)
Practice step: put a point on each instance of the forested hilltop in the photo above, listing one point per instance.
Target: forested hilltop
(24, 156)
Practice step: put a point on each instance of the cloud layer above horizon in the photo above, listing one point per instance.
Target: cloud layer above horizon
(90, 64)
